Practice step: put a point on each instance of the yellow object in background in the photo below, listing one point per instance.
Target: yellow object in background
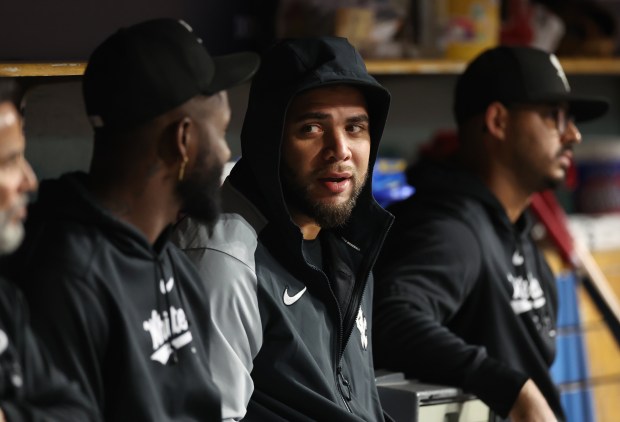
(355, 24)
(472, 27)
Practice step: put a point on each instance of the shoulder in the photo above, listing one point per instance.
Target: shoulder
(434, 224)
(428, 233)
(59, 262)
(235, 235)
(11, 301)
(232, 237)
(441, 212)
(65, 244)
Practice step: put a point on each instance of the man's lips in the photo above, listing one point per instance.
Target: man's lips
(19, 214)
(566, 156)
(335, 182)
(18, 211)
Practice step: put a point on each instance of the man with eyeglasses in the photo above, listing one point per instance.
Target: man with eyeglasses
(463, 296)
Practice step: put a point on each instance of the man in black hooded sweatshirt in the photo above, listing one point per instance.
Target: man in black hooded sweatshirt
(463, 295)
(297, 241)
(120, 308)
(31, 389)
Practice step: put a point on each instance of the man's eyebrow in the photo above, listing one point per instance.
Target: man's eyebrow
(317, 115)
(311, 115)
(360, 118)
(12, 155)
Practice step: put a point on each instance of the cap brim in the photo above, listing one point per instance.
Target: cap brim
(232, 70)
(581, 108)
(587, 108)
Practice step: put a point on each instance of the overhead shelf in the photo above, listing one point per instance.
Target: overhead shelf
(19, 69)
(575, 66)
(415, 66)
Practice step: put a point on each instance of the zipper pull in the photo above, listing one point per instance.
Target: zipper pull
(345, 383)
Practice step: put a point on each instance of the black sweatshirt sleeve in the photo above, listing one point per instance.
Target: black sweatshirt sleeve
(45, 393)
(68, 316)
(423, 278)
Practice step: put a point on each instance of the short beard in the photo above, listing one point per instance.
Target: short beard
(200, 194)
(11, 233)
(554, 183)
(327, 216)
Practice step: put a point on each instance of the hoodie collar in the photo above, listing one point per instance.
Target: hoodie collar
(69, 198)
(446, 179)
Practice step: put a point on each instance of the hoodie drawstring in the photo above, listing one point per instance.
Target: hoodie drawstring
(177, 280)
(164, 289)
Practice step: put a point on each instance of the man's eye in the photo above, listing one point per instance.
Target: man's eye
(11, 162)
(356, 128)
(310, 129)
(551, 113)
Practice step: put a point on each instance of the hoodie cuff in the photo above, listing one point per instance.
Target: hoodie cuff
(497, 385)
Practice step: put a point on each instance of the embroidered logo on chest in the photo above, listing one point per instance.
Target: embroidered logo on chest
(289, 300)
(168, 328)
(362, 325)
(527, 294)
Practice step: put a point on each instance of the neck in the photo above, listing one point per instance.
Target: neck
(308, 227)
(507, 191)
(502, 182)
(139, 201)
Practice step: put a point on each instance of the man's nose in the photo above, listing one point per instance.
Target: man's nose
(337, 145)
(571, 134)
(29, 179)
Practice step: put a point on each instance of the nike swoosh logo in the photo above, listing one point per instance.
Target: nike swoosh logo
(289, 300)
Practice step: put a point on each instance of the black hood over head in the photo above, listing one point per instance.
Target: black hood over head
(289, 68)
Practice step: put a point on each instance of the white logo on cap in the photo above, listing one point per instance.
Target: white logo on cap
(556, 63)
(186, 25)
(189, 29)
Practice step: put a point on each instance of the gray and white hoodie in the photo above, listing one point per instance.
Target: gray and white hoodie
(292, 343)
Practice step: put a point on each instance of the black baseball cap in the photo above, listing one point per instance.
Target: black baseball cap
(147, 69)
(519, 75)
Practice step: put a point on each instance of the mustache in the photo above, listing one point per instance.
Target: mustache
(336, 169)
(565, 148)
(22, 202)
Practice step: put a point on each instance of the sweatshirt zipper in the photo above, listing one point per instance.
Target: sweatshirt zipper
(358, 294)
(354, 304)
(336, 359)
(339, 376)
(344, 382)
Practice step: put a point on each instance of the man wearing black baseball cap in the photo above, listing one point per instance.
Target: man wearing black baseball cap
(519, 75)
(121, 309)
(465, 298)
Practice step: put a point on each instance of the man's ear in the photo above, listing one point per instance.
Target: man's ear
(496, 119)
(182, 145)
(183, 142)
(176, 145)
